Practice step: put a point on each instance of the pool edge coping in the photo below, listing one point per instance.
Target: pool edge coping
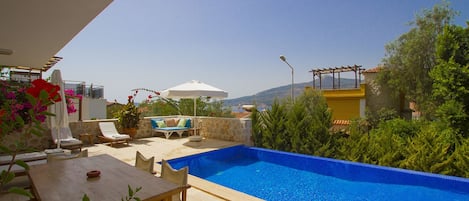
(222, 192)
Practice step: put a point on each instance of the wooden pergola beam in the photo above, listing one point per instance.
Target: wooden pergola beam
(357, 69)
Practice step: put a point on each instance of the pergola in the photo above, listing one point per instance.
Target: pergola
(25, 73)
(357, 69)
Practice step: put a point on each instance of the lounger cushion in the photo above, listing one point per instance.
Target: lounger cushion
(119, 136)
(171, 128)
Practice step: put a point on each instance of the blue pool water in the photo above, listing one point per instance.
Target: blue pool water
(274, 175)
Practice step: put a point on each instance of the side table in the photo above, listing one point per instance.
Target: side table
(88, 136)
(194, 131)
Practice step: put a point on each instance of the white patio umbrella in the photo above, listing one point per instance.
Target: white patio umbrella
(194, 89)
(59, 122)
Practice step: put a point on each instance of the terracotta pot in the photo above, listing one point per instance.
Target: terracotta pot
(130, 131)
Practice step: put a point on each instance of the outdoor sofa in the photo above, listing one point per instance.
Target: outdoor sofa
(168, 126)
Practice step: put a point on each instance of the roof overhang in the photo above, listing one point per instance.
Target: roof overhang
(32, 32)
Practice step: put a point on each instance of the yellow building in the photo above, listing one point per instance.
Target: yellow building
(346, 104)
(349, 103)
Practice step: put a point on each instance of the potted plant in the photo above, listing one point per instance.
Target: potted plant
(128, 118)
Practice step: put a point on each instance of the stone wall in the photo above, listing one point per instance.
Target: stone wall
(228, 129)
(28, 140)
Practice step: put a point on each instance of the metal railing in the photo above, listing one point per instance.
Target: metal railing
(81, 88)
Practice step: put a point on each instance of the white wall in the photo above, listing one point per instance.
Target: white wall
(92, 109)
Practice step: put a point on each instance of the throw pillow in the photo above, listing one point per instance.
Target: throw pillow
(170, 122)
(182, 122)
(161, 124)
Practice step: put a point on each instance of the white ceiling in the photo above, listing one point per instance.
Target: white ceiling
(37, 30)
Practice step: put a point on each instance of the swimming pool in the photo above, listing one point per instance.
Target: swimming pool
(275, 175)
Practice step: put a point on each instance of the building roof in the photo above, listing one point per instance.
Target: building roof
(374, 70)
(34, 31)
(341, 122)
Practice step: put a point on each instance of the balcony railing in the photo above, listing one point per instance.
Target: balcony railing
(81, 88)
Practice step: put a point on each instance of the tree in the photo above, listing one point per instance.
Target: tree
(273, 129)
(165, 107)
(111, 110)
(451, 78)
(216, 109)
(412, 56)
(315, 137)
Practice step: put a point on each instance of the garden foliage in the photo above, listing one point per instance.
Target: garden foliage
(428, 65)
(301, 127)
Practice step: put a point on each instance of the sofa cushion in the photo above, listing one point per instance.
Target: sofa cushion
(171, 122)
(188, 123)
(153, 122)
(161, 124)
(182, 122)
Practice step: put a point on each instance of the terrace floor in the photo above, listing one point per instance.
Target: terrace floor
(175, 147)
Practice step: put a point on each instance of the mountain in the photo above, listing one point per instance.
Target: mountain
(267, 97)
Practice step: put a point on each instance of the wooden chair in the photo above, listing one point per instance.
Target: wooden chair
(145, 164)
(178, 177)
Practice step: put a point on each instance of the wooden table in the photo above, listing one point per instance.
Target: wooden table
(67, 180)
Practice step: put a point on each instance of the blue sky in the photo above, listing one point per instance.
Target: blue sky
(232, 44)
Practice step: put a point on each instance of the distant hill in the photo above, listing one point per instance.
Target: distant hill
(267, 97)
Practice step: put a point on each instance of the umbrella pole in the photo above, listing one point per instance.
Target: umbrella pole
(195, 114)
(58, 138)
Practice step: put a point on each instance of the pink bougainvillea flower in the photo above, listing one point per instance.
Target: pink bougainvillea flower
(18, 106)
(41, 117)
(27, 105)
(10, 95)
(69, 96)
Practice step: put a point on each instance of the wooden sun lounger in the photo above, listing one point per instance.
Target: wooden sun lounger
(110, 134)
